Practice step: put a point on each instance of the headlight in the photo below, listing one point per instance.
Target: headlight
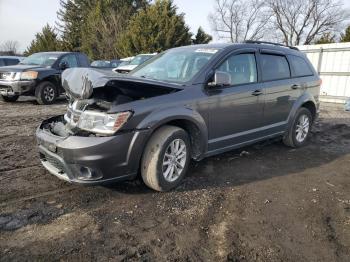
(29, 75)
(103, 123)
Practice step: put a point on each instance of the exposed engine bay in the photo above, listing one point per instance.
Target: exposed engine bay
(98, 92)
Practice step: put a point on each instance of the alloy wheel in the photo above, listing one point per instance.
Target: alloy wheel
(302, 128)
(174, 160)
(49, 93)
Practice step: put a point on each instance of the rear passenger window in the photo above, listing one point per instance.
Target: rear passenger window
(2, 62)
(300, 66)
(242, 68)
(274, 67)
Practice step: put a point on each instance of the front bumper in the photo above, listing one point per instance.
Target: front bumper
(91, 160)
(11, 88)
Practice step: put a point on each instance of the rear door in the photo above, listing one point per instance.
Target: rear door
(280, 89)
(236, 111)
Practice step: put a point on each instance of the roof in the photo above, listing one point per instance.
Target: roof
(285, 49)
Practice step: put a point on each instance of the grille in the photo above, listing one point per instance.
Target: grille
(53, 161)
(5, 88)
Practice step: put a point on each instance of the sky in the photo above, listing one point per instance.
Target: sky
(20, 20)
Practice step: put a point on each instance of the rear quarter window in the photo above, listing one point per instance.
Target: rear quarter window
(2, 62)
(299, 66)
(274, 67)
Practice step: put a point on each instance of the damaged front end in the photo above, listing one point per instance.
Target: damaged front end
(84, 145)
(94, 97)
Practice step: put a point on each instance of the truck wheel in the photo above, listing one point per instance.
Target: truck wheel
(46, 93)
(10, 98)
(299, 131)
(166, 158)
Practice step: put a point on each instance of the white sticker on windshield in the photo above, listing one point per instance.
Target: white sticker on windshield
(206, 50)
(52, 58)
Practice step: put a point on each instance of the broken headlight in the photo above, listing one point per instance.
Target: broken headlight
(102, 123)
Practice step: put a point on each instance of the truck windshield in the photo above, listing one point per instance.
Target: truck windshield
(176, 65)
(42, 59)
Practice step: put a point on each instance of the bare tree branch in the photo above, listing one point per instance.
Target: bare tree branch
(240, 20)
(302, 21)
(9, 47)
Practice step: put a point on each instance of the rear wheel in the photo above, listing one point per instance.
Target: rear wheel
(166, 158)
(10, 98)
(299, 131)
(46, 93)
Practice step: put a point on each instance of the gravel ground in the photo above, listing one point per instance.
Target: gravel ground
(270, 203)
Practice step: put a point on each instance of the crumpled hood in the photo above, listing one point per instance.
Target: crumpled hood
(79, 83)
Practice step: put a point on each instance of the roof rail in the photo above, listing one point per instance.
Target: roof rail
(269, 43)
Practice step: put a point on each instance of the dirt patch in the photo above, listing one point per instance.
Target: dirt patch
(271, 203)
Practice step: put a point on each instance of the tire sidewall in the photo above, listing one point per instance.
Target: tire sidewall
(163, 183)
(301, 111)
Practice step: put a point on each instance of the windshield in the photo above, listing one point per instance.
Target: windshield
(140, 59)
(42, 59)
(176, 65)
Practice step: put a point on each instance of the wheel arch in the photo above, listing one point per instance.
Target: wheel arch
(189, 120)
(306, 100)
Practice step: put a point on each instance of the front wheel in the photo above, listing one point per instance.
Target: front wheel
(10, 98)
(166, 158)
(46, 93)
(299, 132)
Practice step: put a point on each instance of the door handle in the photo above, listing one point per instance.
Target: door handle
(257, 93)
(296, 86)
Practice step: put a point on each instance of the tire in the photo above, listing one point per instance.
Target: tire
(293, 137)
(157, 169)
(46, 93)
(10, 99)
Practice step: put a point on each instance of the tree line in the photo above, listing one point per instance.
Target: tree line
(106, 29)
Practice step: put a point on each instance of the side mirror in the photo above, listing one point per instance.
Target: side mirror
(63, 65)
(221, 79)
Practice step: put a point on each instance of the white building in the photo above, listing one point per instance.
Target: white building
(332, 62)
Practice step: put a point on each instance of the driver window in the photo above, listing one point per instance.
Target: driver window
(242, 68)
(71, 61)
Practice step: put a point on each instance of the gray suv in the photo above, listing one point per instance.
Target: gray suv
(186, 103)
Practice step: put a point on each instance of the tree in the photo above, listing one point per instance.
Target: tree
(326, 38)
(9, 47)
(239, 20)
(91, 26)
(302, 21)
(346, 36)
(154, 29)
(202, 37)
(46, 40)
(72, 16)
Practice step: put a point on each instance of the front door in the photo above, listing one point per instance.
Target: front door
(236, 111)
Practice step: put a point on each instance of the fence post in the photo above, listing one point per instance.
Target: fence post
(319, 64)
